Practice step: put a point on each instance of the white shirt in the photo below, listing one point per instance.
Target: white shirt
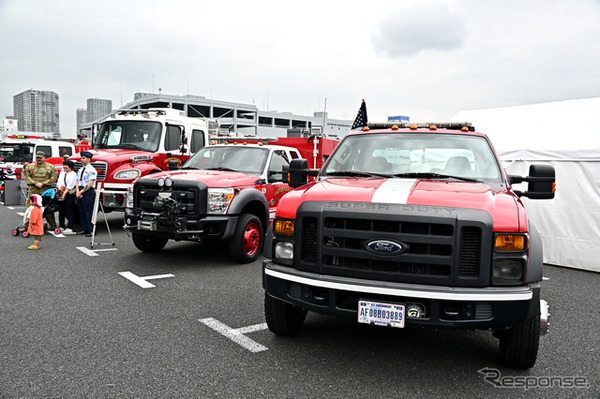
(67, 179)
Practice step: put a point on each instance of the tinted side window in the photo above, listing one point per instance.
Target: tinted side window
(278, 160)
(173, 138)
(197, 140)
(46, 149)
(62, 151)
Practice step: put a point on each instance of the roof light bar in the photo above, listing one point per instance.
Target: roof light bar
(424, 125)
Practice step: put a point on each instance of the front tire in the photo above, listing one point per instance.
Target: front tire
(247, 241)
(146, 243)
(283, 318)
(519, 344)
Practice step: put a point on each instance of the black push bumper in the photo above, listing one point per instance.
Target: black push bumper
(436, 306)
(210, 228)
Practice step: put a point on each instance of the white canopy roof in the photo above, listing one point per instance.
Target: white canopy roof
(557, 130)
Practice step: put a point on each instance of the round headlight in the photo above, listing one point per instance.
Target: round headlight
(168, 182)
(161, 182)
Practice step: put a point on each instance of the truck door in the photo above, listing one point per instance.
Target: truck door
(276, 182)
(174, 144)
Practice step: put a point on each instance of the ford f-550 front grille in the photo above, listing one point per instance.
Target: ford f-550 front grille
(190, 200)
(429, 245)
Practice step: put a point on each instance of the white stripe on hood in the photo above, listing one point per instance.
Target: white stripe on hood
(394, 191)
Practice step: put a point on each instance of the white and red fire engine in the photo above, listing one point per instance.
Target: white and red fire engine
(131, 144)
(18, 150)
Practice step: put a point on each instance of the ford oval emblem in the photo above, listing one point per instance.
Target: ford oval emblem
(386, 247)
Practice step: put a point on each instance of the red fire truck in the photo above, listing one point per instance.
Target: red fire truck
(224, 192)
(18, 150)
(411, 226)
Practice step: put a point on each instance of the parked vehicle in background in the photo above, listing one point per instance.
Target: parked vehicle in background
(224, 192)
(18, 150)
(131, 144)
(411, 226)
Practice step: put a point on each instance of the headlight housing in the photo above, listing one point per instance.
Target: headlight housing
(219, 200)
(507, 271)
(129, 174)
(510, 258)
(283, 252)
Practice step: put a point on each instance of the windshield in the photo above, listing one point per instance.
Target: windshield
(16, 152)
(249, 160)
(414, 155)
(135, 135)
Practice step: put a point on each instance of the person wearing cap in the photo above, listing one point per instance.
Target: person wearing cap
(67, 188)
(85, 193)
(40, 176)
(35, 226)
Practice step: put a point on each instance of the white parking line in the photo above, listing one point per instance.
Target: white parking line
(142, 281)
(88, 252)
(237, 335)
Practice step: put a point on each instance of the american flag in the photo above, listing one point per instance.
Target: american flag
(361, 117)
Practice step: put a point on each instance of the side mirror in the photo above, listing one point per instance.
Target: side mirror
(542, 182)
(298, 172)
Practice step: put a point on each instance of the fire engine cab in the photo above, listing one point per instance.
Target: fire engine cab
(131, 144)
(411, 226)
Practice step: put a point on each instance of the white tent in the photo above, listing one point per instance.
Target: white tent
(564, 135)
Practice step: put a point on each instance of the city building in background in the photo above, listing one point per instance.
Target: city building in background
(37, 111)
(244, 119)
(97, 109)
(80, 117)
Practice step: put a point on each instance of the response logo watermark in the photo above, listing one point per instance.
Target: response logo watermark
(495, 378)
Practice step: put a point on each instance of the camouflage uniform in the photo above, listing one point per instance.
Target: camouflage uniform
(45, 174)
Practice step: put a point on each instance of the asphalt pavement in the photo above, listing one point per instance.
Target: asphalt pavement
(108, 321)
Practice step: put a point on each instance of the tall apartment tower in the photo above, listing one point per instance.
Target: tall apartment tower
(37, 111)
(80, 117)
(97, 108)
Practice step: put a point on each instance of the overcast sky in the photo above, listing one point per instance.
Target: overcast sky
(424, 59)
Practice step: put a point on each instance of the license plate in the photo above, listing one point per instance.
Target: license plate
(381, 313)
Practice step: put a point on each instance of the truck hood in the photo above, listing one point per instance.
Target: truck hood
(112, 156)
(212, 178)
(504, 207)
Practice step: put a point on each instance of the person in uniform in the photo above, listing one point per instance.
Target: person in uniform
(40, 176)
(85, 193)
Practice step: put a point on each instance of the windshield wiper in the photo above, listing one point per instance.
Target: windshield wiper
(433, 175)
(128, 146)
(356, 173)
(188, 167)
(222, 168)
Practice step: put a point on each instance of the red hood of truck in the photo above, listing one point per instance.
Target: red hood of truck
(504, 207)
(112, 156)
(212, 178)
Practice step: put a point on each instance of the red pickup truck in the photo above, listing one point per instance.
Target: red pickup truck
(224, 192)
(411, 226)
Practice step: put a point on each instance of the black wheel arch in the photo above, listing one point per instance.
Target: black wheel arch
(536, 255)
(250, 200)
